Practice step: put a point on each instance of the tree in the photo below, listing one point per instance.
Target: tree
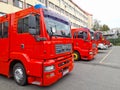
(96, 25)
(105, 28)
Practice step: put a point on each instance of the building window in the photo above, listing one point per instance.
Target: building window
(58, 8)
(28, 5)
(66, 13)
(42, 1)
(18, 3)
(62, 11)
(4, 30)
(51, 5)
(6, 1)
(75, 25)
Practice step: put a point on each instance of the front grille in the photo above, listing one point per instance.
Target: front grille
(63, 63)
(62, 48)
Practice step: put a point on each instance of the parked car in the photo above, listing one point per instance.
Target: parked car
(102, 46)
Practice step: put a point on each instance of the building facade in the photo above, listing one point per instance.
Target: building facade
(67, 8)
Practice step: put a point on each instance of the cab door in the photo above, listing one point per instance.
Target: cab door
(4, 41)
(82, 39)
(27, 32)
(83, 42)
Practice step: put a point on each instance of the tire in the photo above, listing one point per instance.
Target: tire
(19, 74)
(76, 56)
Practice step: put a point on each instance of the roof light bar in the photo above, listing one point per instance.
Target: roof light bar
(38, 6)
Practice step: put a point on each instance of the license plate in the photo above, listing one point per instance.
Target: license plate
(65, 72)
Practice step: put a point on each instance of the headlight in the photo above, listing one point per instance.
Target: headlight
(49, 68)
(90, 53)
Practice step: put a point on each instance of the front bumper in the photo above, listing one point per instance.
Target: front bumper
(37, 75)
(62, 67)
(89, 54)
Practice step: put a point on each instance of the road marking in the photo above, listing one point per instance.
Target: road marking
(105, 56)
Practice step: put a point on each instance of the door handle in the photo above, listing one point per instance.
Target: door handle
(22, 46)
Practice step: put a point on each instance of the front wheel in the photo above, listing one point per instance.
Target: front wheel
(19, 74)
(76, 56)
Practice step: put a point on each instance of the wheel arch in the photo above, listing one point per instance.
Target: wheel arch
(12, 64)
(19, 58)
(77, 55)
(76, 50)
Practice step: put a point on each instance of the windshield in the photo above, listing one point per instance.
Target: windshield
(99, 36)
(61, 28)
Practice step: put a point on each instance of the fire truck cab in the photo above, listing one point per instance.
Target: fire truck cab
(35, 46)
(102, 43)
(84, 46)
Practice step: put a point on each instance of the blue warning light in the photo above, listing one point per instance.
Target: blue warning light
(38, 6)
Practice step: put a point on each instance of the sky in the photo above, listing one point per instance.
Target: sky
(106, 11)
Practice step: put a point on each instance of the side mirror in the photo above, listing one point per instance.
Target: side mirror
(85, 36)
(92, 37)
(32, 24)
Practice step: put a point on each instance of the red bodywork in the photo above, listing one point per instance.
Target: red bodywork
(101, 39)
(34, 55)
(86, 48)
(107, 42)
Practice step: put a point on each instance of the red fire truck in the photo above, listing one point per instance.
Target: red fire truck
(84, 45)
(102, 42)
(35, 46)
(107, 42)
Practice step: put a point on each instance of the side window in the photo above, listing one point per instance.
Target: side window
(18, 3)
(23, 24)
(80, 34)
(75, 35)
(97, 36)
(0, 30)
(85, 35)
(4, 30)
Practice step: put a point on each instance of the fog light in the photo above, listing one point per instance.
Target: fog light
(50, 75)
(49, 68)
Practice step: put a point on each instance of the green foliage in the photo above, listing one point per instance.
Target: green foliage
(98, 26)
(105, 28)
(115, 41)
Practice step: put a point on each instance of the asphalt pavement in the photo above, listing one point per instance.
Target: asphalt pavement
(102, 73)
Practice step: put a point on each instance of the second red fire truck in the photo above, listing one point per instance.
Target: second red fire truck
(83, 44)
